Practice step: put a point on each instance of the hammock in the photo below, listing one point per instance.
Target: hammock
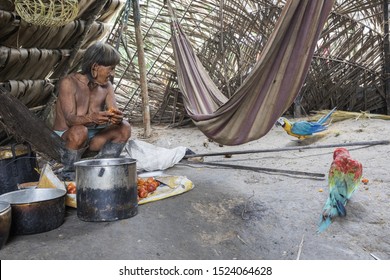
(267, 92)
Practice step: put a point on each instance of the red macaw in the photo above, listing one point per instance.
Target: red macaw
(344, 178)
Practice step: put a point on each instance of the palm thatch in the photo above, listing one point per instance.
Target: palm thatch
(348, 69)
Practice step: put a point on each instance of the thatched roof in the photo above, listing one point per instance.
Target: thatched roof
(347, 70)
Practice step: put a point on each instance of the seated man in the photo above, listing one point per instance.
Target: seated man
(87, 115)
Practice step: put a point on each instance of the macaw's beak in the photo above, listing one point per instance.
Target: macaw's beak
(279, 123)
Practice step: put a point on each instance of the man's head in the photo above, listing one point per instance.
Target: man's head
(100, 58)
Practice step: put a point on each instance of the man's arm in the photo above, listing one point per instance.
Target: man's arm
(112, 106)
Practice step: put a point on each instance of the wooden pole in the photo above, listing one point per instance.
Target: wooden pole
(386, 51)
(366, 143)
(261, 169)
(21, 122)
(142, 68)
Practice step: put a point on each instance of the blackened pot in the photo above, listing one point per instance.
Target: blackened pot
(106, 189)
(5, 222)
(36, 210)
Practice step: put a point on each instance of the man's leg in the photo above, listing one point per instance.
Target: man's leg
(111, 140)
(75, 139)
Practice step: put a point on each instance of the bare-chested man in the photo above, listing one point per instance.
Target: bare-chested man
(86, 111)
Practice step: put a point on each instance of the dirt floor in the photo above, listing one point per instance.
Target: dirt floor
(237, 213)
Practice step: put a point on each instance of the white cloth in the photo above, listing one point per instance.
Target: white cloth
(151, 158)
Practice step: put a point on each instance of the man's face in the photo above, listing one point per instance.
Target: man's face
(104, 74)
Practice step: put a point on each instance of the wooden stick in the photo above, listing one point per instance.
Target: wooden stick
(367, 143)
(142, 69)
(300, 248)
(252, 168)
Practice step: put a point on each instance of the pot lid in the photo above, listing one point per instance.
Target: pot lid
(28, 196)
(4, 205)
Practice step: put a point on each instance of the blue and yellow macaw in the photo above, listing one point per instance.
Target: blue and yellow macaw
(344, 178)
(304, 129)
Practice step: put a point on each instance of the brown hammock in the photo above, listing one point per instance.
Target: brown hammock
(268, 91)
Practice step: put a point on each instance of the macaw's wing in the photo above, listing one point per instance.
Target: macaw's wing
(307, 128)
(353, 175)
(344, 175)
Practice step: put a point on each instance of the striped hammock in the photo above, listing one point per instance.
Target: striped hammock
(267, 92)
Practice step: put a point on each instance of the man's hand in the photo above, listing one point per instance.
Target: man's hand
(100, 117)
(116, 117)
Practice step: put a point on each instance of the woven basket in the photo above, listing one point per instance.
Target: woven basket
(51, 13)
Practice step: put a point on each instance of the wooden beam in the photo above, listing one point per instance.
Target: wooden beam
(386, 51)
(19, 121)
(142, 69)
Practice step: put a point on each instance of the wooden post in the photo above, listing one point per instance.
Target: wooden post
(23, 124)
(386, 51)
(142, 68)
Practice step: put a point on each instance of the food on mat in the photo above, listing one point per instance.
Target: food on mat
(71, 188)
(146, 186)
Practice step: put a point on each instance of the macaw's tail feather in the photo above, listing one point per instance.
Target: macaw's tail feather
(326, 118)
(341, 209)
(324, 224)
(332, 208)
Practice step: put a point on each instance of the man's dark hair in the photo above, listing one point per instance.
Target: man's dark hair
(101, 54)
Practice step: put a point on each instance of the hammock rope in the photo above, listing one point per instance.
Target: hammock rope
(267, 92)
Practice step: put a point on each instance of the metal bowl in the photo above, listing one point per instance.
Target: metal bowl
(5, 222)
(36, 210)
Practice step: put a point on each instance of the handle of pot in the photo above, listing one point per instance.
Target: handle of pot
(14, 168)
(101, 171)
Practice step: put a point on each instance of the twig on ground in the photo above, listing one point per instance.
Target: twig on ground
(375, 257)
(242, 240)
(300, 248)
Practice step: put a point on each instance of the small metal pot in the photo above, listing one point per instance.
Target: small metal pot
(5, 222)
(36, 210)
(106, 189)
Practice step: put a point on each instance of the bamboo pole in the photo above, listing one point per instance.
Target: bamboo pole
(142, 69)
(365, 143)
(261, 169)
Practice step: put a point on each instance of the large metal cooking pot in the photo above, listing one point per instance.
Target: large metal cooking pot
(36, 210)
(5, 222)
(106, 189)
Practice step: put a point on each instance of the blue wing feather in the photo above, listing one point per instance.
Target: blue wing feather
(325, 118)
(307, 128)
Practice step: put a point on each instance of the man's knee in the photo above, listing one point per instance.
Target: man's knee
(77, 135)
(125, 130)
